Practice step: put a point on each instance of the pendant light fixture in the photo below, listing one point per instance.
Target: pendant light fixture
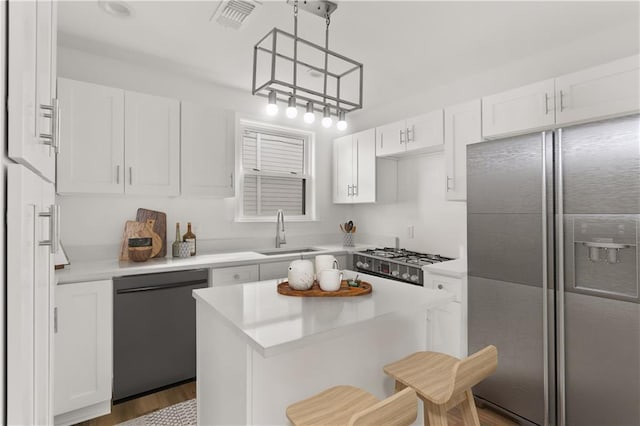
(276, 67)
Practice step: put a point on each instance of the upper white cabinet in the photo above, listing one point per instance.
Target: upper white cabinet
(33, 112)
(462, 126)
(152, 144)
(93, 134)
(520, 110)
(603, 91)
(117, 142)
(420, 133)
(207, 151)
(356, 170)
(83, 345)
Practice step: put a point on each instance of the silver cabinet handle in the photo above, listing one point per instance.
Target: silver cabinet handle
(381, 140)
(450, 179)
(118, 174)
(55, 319)
(48, 111)
(54, 228)
(355, 190)
(130, 175)
(349, 190)
(561, 100)
(57, 124)
(401, 135)
(231, 179)
(411, 133)
(546, 103)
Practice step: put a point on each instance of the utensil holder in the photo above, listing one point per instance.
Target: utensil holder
(348, 239)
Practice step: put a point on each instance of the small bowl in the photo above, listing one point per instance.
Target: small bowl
(140, 242)
(140, 254)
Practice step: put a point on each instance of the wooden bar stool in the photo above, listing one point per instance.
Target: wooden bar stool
(348, 405)
(443, 382)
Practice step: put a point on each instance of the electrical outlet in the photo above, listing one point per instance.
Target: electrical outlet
(410, 231)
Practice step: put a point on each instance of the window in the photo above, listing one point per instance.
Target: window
(275, 170)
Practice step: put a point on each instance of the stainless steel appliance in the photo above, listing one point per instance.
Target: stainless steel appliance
(396, 264)
(154, 331)
(553, 227)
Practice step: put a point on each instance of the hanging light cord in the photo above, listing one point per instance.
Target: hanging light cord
(326, 55)
(295, 46)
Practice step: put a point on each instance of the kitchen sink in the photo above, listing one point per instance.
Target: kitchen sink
(274, 252)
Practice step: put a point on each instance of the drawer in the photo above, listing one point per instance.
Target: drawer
(450, 285)
(234, 275)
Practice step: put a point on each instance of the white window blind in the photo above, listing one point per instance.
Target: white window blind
(275, 173)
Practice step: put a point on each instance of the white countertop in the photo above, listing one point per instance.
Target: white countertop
(273, 323)
(454, 268)
(106, 269)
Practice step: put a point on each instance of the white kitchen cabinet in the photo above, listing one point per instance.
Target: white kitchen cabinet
(520, 110)
(422, 133)
(207, 151)
(462, 126)
(356, 171)
(604, 91)
(83, 351)
(31, 105)
(152, 144)
(234, 275)
(447, 325)
(93, 133)
(33, 218)
(274, 270)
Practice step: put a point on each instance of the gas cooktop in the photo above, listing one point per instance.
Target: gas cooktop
(397, 264)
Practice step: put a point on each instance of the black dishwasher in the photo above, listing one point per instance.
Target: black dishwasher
(154, 331)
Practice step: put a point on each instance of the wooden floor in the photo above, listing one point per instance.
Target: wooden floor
(146, 404)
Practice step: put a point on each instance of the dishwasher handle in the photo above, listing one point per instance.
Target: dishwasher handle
(161, 287)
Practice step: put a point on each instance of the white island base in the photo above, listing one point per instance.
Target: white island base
(259, 352)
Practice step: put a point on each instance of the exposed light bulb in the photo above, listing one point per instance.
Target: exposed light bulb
(326, 119)
(272, 106)
(309, 116)
(342, 122)
(292, 111)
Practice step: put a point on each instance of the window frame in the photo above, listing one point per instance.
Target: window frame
(308, 175)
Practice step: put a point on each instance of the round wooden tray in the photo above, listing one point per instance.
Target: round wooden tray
(316, 291)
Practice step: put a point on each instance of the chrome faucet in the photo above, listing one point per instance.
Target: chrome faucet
(280, 218)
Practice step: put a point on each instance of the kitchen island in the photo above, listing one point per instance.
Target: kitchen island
(259, 351)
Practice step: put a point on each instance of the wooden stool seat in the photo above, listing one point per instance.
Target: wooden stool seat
(348, 405)
(443, 382)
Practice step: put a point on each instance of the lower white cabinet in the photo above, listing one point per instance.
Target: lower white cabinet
(274, 270)
(234, 275)
(83, 351)
(447, 325)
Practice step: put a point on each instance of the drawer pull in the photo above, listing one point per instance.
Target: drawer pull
(440, 286)
(236, 277)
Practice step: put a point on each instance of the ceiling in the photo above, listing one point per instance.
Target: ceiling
(405, 46)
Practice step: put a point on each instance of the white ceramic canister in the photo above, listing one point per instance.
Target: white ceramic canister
(300, 274)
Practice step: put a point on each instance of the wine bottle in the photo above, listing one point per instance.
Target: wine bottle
(175, 248)
(190, 237)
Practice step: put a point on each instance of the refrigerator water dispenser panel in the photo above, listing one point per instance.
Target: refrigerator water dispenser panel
(603, 257)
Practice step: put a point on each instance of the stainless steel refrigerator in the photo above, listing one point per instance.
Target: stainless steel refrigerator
(553, 228)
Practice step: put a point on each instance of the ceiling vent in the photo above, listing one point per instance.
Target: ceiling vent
(232, 13)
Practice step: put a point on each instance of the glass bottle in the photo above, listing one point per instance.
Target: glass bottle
(175, 248)
(190, 237)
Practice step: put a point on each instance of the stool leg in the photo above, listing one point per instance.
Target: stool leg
(469, 411)
(434, 414)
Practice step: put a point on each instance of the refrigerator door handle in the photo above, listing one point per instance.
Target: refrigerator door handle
(545, 281)
(560, 356)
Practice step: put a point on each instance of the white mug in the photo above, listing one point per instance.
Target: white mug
(330, 279)
(326, 261)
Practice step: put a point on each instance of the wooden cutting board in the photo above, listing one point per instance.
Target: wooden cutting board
(133, 229)
(159, 227)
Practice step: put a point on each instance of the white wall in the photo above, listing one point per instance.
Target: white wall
(440, 226)
(92, 225)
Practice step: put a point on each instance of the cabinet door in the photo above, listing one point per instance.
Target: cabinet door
(31, 90)
(207, 151)
(600, 92)
(462, 126)
(343, 169)
(444, 329)
(391, 139)
(152, 145)
(274, 270)
(29, 296)
(92, 132)
(234, 275)
(519, 111)
(425, 132)
(83, 345)
(364, 163)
